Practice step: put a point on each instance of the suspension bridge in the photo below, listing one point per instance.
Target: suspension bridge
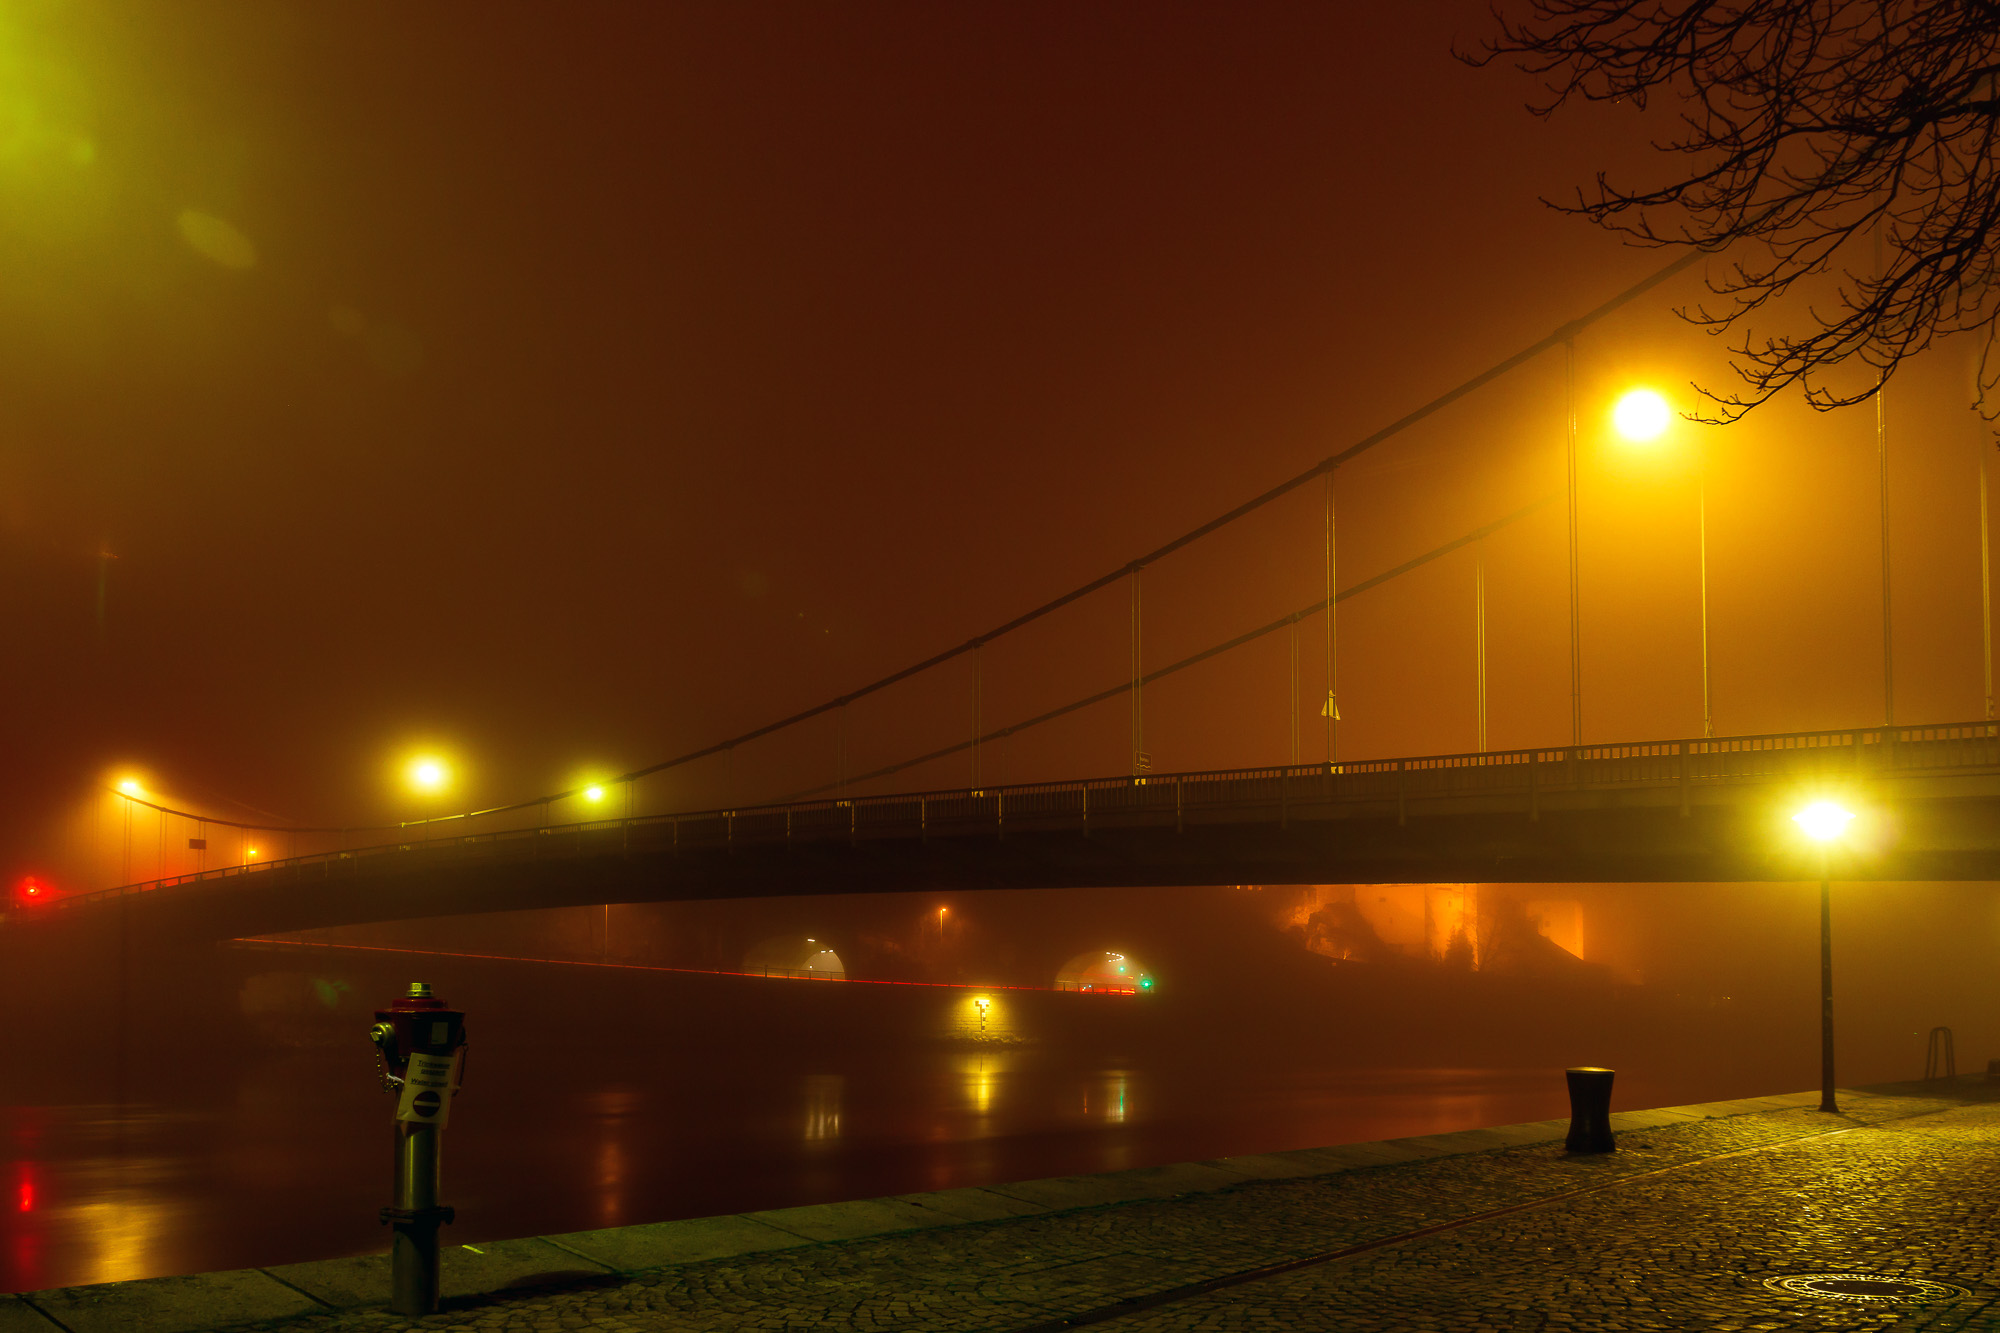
(1688, 809)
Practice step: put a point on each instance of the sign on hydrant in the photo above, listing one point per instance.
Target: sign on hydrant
(427, 1088)
(420, 1045)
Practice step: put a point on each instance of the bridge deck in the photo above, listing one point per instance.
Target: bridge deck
(1656, 810)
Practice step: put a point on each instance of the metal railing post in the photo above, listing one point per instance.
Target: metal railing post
(1682, 746)
(1534, 784)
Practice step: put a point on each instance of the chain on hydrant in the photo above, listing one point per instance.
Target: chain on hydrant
(420, 1055)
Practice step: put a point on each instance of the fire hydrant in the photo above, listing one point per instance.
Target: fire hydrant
(421, 1048)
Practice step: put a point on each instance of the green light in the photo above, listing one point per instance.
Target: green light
(1145, 983)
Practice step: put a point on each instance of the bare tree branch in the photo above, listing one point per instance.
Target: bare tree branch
(1852, 145)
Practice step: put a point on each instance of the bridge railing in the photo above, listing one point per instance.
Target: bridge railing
(1283, 792)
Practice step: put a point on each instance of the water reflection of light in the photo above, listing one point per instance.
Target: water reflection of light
(823, 1092)
(612, 1108)
(611, 1180)
(1110, 1097)
(125, 1229)
(981, 1074)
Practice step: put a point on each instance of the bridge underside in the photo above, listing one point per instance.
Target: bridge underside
(1919, 828)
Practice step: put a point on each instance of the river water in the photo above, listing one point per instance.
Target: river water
(232, 1117)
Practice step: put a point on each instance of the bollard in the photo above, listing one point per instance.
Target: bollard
(420, 1044)
(1589, 1110)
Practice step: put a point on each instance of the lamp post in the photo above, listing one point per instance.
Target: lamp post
(1825, 822)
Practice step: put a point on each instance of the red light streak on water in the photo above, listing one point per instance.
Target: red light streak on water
(644, 967)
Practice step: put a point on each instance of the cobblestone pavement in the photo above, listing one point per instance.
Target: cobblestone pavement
(1676, 1231)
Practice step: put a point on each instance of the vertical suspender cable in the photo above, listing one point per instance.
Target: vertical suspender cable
(975, 712)
(1139, 759)
(1295, 689)
(1985, 582)
(1575, 614)
(1882, 464)
(1479, 633)
(1330, 710)
(1701, 542)
(1888, 617)
(1882, 503)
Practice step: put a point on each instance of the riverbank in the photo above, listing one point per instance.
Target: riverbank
(1482, 1229)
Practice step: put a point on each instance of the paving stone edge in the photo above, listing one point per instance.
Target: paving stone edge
(200, 1302)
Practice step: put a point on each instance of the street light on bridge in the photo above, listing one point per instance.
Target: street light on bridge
(1825, 822)
(1643, 416)
(428, 775)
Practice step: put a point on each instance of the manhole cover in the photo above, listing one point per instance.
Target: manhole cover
(1866, 1288)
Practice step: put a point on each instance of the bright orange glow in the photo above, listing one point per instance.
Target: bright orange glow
(250, 852)
(131, 787)
(1642, 415)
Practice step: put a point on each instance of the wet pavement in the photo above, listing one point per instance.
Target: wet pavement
(1688, 1226)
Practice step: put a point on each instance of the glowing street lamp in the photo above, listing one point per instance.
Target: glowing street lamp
(1642, 415)
(593, 793)
(130, 787)
(1825, 822)
(428, 775)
